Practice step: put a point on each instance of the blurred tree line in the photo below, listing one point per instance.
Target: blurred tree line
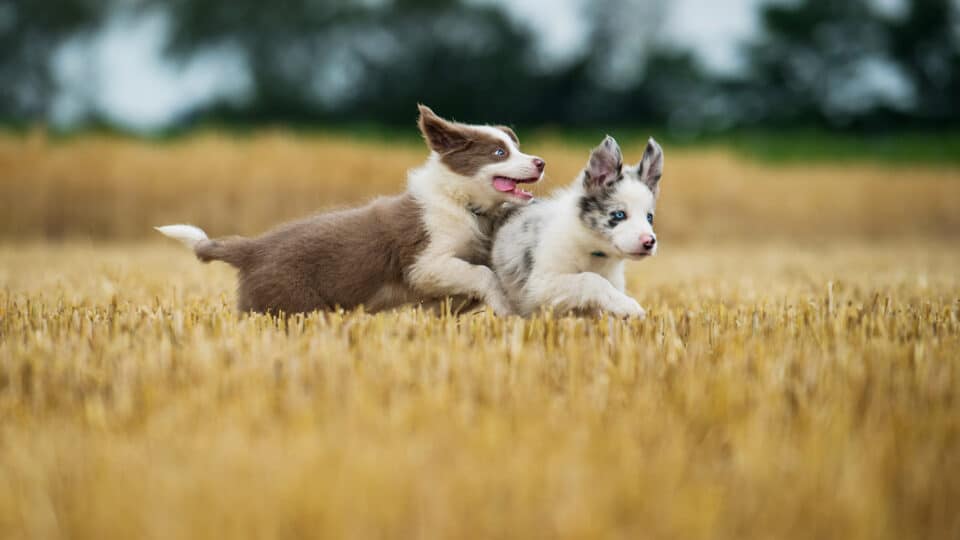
(815, 63)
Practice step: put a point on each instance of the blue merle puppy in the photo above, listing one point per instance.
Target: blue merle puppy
(567, 253)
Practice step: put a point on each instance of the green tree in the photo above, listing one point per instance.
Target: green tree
(926, 44)
(808, 57)
(30, 32)
(818, 61)
(363, 60)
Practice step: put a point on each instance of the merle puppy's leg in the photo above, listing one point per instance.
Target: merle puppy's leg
(583, 291)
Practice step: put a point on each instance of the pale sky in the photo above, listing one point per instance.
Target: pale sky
(134, 86)
(711, 27)
(714, 28)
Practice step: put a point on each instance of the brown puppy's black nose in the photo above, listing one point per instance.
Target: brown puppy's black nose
(648, 243)
(539, 164)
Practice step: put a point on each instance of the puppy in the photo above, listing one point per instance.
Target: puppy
(567, 252)
(420, 246)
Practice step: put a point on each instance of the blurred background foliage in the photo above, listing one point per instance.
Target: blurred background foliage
(814, 64)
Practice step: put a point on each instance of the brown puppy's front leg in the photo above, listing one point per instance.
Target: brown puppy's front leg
(447, 275)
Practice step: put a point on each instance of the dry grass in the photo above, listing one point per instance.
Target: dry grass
(99, 187)
(753, 403)
(777, 390)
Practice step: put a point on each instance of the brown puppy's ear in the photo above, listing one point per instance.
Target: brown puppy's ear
(441, 136)
(510, 133)
(605, 166)
(650, 168)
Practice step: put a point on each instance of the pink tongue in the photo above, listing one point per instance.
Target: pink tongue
(505, 185)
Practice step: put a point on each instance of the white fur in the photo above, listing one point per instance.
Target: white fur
(638, 200)
(188, 234)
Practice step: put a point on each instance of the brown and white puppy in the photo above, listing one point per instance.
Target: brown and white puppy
(428, 243)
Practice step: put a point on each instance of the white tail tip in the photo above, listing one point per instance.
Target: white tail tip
(188, 234)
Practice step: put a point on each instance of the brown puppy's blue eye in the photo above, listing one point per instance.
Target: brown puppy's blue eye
(500, 152)
(619, 215)
(650, 219)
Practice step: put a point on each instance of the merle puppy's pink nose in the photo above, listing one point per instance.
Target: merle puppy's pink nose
(539, 164)
(648, 241)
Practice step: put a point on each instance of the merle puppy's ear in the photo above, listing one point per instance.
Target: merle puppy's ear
(605, 165)
(441, 136)
(650, 168)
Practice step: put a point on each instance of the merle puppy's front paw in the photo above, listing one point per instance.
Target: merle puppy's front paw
(626, 308)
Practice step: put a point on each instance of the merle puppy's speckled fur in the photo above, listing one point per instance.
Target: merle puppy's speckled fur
(598, 205)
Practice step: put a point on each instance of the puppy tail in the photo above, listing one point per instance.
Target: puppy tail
(188, 234)
(236, 250)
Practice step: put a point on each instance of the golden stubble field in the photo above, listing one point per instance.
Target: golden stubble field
(797, 376)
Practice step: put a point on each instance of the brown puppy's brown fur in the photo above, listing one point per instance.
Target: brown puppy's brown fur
(360, 251)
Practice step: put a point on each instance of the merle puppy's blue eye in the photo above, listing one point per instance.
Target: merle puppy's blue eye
(650, 219)
(619, 215)
(500, 152)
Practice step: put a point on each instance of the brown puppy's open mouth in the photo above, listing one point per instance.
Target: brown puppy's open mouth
(509, 185)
